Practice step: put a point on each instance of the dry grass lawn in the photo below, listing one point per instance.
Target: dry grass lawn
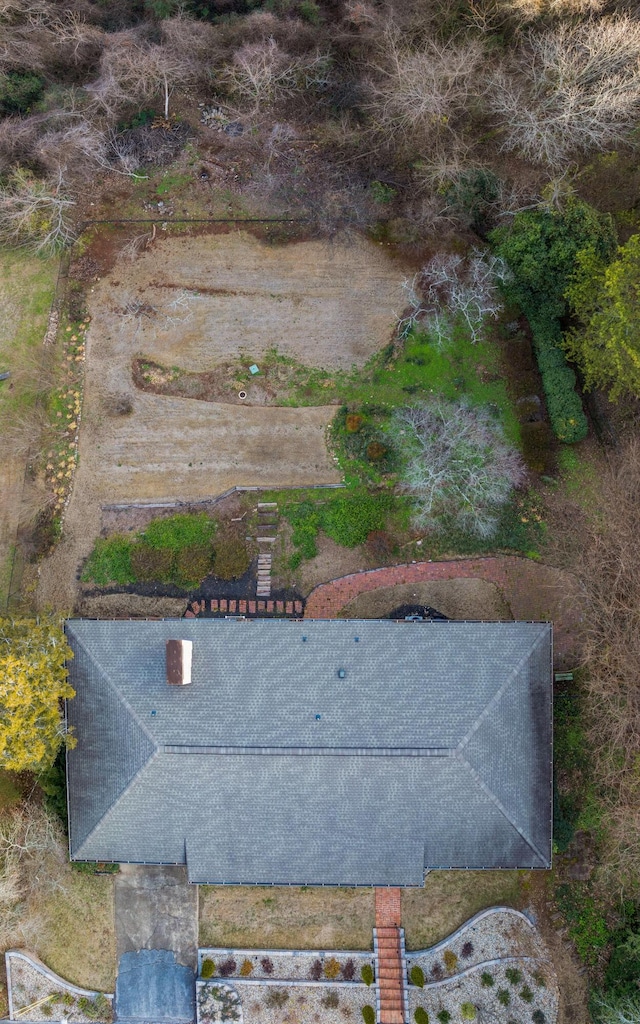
(449, 898)
(77, 936)
(284, 917)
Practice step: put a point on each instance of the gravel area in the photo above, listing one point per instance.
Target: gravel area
(500, 933)
(53, 998)
(303, 1004)
(294, 965)
(532, 989)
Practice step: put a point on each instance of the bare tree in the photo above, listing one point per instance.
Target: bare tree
(421, 93)
(34, 213)
(575, 87)
(451, 289)
(134, 71)
(457, 464)
(263, 73)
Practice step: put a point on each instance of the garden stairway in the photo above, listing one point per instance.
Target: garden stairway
(267, 526)
(391, 969)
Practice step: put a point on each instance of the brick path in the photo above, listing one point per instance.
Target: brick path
(222, 607)
(390, 968)
(532, 590)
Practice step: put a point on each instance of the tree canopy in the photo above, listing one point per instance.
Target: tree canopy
(33, 681)
(606, 300)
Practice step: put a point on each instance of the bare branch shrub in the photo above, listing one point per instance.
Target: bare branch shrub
(609, 568)
(73, 150)
(419, 94)
(572, 88)
(457, 464)
(34, 213)
(133, 71)
(451, 289)
(262, 73)
(32, 856)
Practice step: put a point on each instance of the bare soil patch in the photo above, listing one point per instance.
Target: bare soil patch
(192, 301)
(457, 599)
(286, 917)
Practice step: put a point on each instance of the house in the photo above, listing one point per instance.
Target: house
(311, 752)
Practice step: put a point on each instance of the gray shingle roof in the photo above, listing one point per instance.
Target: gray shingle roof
(434, 750)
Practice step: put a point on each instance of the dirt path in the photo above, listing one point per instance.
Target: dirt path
(192, 301)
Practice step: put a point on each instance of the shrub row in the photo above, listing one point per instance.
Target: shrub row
(564, 405)
(177, 549)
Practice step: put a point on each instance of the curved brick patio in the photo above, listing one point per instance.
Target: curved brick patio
(532, 590)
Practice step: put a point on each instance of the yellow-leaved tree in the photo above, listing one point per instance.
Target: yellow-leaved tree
(33, 683)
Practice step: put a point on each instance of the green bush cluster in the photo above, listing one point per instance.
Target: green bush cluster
(347, 518)
(366, 973)
(420, 1015)
(232, 559)
(208, 968)
(177, 549)
(468, 1011)
(19, 90)
(587, 924)
(368, 1014)
(541, 248)
(417, 976)
(443, 1016)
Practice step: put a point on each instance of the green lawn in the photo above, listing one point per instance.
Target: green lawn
(27, 286)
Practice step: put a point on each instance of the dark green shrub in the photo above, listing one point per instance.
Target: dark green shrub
(538, 1017)
(98, 1008)
(514, 976)
(526, 994)
(368, 1014)
(151, 564)
(180, 531)
(486, 979)
(53, 783)
(276, 997)
(472, 196)
(109, 562)
(193, 564)
(417, 976)
(208, 968)
(420, 1015)
(504, 996)
(366, 973)
(18, 91)
(232, 558)
(443, 1016)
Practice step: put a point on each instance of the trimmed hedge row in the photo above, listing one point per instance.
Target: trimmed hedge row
(564, 405)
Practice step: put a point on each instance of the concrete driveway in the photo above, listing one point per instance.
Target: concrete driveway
(156, 914)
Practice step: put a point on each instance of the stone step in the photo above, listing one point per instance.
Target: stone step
(267, 504)
(265, 540)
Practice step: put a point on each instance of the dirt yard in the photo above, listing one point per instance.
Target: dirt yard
(457, 599)
(196, 300)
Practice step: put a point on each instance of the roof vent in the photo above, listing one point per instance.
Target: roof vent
(179, 653)
(341, 673)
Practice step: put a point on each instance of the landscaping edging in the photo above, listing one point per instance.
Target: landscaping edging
(36, 964)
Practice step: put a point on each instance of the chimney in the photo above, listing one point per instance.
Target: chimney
(179, 654)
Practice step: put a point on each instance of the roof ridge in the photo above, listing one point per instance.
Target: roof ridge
(503, 810)
(500, 692)
(116, 690)
(116, 803)
(117, 693)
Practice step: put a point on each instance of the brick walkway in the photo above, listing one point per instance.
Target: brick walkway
(208, 609)
(390, 968)
(532, 590)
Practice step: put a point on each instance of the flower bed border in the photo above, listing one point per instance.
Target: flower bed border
(37, 964)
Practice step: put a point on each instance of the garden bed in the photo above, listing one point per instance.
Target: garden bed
(247, 1002)
(285, 965)
(36, 994)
